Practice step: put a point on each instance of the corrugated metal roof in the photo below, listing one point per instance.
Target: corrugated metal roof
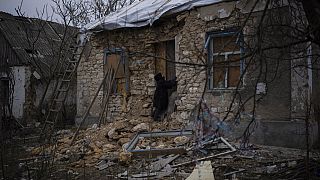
(34, 41)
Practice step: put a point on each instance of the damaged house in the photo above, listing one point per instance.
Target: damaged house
(32, 55)
(242, 61)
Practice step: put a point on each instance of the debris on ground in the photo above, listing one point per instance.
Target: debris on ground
(144, 149)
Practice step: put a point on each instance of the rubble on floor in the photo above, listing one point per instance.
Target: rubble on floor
(103, 152)
(140, 148)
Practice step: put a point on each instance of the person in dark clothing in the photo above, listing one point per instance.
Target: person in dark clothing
(160, 98)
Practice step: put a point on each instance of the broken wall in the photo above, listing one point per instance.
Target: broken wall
(34, 89)
(139, 47)
(189, 29)
(267, 77)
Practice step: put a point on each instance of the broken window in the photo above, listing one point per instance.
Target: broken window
(225, 57)
(113, 58)
(165, 59)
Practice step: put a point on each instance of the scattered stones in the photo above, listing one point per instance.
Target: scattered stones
(145, 113)
(180, 140)
(111, 133)
(125, 157)
(94, 126)
(123, 141)
(63, 132)
(292, 163)
(271, 169)
(146, 105)
(140, 127)
(108, 148)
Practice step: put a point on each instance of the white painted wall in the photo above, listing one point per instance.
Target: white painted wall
(19, 74)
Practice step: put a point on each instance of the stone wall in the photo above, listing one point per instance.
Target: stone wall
(89, 77)
(190, 29)
(140, 53)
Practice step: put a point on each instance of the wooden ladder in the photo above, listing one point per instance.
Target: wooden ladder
(60, 93)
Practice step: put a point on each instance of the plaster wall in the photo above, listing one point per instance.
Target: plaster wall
(19, 74)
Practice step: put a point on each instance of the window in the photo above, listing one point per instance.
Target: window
(165, 59)
(112, 59)
(225, 57)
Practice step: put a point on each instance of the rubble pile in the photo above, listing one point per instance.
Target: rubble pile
(140, 148)
(103, 152)
(95, 144)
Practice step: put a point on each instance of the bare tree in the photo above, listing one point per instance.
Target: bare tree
(82, 12)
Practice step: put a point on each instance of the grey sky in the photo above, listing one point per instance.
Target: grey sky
(30, 7)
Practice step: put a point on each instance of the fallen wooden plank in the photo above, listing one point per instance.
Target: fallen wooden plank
(234, 172)
(212, 156)
(157, 152)
(171, 133)
(202, 159)
(143, 175)
(161, 163)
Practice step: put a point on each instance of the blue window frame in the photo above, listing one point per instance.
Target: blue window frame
(225, 51)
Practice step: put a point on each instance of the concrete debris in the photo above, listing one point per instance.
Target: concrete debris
(158, 154)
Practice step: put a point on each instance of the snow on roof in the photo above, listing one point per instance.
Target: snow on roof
(145, 12)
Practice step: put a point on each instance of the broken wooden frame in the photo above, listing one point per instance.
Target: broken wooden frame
(232, 149)
(110, 60)
(154, 152)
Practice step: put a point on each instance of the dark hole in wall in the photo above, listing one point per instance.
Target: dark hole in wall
(4, 91)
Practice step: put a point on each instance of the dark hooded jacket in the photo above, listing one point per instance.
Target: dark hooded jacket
(160, 98)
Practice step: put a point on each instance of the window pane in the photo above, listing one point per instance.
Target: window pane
(170, 55)
(218, 77)
(225, 44)
(160, 63)
(234, 59)
(219, 61)
(233, 76)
